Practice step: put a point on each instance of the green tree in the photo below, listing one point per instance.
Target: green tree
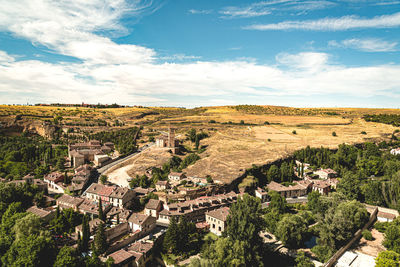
(171, 237)
(303, 261)
(277, 203)
(100, 239)
(387, 259)
(30, 251)
(28, 225)
(197, 142)
(392, 238)
(66, 257)
(291, 230)
(101, 212)
(103, 179)
(273, 173)
(244, 223)
(84, 243)
(350, 186)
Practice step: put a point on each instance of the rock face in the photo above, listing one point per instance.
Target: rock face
(18, 125)
(44, 129)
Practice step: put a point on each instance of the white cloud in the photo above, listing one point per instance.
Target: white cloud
(268, 7)
(5, 58)
(180, 57)
(333, 24)
(308, 61)
(130, 74)
(367, 45)
(200, 11)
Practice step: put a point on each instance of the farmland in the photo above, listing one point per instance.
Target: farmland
(239, 136)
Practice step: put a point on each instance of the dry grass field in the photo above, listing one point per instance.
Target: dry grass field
(266, 132)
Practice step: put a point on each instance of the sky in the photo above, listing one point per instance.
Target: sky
(191, 53)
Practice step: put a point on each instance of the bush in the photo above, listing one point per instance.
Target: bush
(334, 134)
(363, 132)
(266, 122)
(269, 140)
(294, 132)
(212, 121)
(367, 235)
(242, 122)
(381, 226)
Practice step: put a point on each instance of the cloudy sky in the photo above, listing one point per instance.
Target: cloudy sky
(197, 53)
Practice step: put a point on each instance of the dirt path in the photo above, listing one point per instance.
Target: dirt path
(120, 176)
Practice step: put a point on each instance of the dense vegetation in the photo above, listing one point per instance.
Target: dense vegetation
(21, 155)
(124, 139)
(392, 119)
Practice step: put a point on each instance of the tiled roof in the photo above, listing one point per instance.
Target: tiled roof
(153, 204)
(38, 211)
(138, 218)
(220, 214)
(141, 247)
(119, 192)
(67, 199)
(121, 256)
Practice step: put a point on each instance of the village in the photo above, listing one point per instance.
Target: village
(136, 218)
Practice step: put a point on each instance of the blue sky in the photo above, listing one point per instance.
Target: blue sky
(200, 53)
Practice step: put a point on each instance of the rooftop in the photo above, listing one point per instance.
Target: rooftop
(153, 204)
(219, 214)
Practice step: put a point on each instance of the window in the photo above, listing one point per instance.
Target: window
(213, 226)
(219, 228)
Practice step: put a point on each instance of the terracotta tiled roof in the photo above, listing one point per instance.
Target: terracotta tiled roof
(67, 199)
(38, 211)
(121, 256)
(141, 247)
(220, 214)
(138, 218)
(153, 204)
(119, 192)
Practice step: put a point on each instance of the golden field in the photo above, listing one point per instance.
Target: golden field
(232, 147)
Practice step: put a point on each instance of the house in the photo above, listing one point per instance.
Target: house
(52, 179)
(45, 214)
(121, 197)
(69, 202)
(100, 160)
(194, 210)
(162, 185)
(176, 176)
(143, 252)
(79, 153)
(323, 187)
(326, 173)
(301, 188)
(93, 224)
(153, 207)
(141, 192)
(217, 220)
(261, 194)
(117, 214)
(89, 207)
(122, 258)
(141, 222)
(395, 151)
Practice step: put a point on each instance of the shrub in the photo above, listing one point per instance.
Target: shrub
(367, 235)
(212, 121)
(381, 226)
(242, 122)
(269, 140)
(294, 132)
(266, 122)
(334, 134)
(363, 132)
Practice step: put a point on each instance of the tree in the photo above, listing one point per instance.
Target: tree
(28, 225)
(100, 239)
(84, 244)
(197, 142)
(277, 203)
(101, 212)
(244, 223)
(334, 134)
(192, 135)
(313, 200)
(350, 186)
(387, 259)
(33, 250)
(273, 173)
(392, 238)
(171, 236)
(303, 261)
(66, 257)
(291, 230)
(103, 178)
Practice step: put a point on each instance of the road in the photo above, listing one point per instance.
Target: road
(112, 164)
